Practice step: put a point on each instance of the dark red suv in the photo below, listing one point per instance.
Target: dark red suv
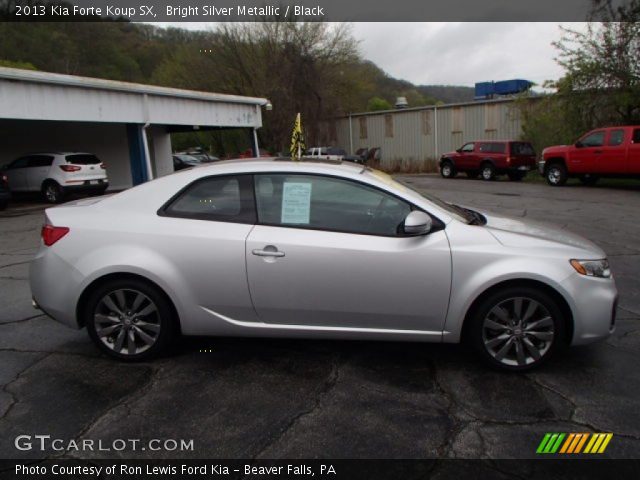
(489, 158)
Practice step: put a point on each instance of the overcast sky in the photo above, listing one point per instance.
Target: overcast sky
(458, 53)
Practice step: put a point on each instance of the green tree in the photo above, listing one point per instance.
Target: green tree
(376, 104)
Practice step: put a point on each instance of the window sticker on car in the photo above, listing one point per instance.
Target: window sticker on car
(296, 203)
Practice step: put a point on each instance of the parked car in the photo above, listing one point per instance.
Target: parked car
(5, 193)
(182, 161)
(57, 174)
(312, 249)
(248, 153)
(489, 158)
(200, 155)
(604, 152)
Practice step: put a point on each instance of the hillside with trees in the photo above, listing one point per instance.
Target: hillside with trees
(314, 68)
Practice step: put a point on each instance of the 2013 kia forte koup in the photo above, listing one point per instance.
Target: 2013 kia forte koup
(275, 248)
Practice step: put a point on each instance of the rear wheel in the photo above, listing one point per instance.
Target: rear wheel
(517, 328)
(52, 192)
(556, 174)
(488, 172)
(129, 319)
(589, 180)
(447, 170)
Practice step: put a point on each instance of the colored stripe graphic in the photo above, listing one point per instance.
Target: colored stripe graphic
(574, 443)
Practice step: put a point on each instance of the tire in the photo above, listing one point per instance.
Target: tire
(488, 172)
(3, 204)
(116, 329)
(589, 180)
(506, 344)
(447, 170)
(473, 174)
(516, 176)
(556, 174)
(52, 192)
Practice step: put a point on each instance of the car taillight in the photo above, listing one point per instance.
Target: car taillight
(51, 234)
(70, 168)
(5, 178)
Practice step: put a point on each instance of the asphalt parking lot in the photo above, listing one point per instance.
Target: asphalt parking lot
(239, 398)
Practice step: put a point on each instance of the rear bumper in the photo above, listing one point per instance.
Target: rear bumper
(55, 298)
(87, 186)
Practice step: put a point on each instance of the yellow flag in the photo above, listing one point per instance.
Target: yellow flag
(297, 140)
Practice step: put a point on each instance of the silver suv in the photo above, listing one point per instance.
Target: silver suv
(56, 174)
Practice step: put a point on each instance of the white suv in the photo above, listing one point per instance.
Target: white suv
(56, 174)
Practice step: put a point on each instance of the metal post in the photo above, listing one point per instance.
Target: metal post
(350, 136)
(147, 155)
(435, 128)
(254, 146)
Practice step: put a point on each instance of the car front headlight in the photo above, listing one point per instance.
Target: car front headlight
(592, 268)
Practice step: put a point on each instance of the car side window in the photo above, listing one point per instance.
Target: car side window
(616, 137)
(19, 163)
(498, 147)
(327, 203)
(596, 139)
(467, 148)
(40, 161)
(227, 198)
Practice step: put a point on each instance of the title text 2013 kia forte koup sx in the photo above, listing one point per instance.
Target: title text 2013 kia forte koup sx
(276, 248)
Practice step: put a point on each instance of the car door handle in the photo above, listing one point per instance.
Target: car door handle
(268, 252)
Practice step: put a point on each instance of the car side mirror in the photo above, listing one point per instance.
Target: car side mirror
(459, 150)
(417, 223)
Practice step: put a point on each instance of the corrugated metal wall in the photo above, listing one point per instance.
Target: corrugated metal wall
(423, 134)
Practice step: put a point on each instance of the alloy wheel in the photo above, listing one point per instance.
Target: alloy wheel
(518, 331)
(487, 173)
(554, 175)
(127, 321)
(51, 193)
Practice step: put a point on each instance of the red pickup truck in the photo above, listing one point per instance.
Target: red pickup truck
(605, 152)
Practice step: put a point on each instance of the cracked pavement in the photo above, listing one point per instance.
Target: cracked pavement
(252, 398)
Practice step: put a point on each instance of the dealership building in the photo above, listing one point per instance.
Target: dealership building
(126, 125)
(422, 134)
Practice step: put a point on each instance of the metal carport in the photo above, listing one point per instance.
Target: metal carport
(127, 125)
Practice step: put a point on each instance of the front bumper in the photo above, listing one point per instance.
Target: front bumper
(594, 302)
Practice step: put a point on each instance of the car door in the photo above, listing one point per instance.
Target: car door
(584, 157)
(327, 253)
(17, 175)
(467, 158)
(614, 153)
(39, 167)
(202, 231)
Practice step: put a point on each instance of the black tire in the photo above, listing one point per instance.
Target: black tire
(447, 170)
(480, 334)
(556, 174)
(488, 171)
(589, 180)
(473, 174)
(52, 192)
(3, 204)
(516, 176)
(160, 323)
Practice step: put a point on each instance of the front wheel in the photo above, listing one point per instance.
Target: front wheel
(517, 328)
(556, 175)
(129, 319)
(447, 169)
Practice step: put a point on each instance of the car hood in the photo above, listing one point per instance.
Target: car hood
(555, 149)
(514, 232)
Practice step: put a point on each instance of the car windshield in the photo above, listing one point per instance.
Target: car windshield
(459, 213)
(82, 159)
